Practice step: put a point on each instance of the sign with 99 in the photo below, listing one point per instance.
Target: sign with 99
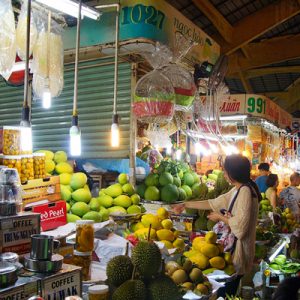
(256, 105)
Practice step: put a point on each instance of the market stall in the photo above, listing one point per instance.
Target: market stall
(99, 222)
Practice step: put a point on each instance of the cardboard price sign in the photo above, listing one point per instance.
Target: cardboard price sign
(53, 215)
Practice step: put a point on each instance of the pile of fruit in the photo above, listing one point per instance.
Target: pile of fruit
(288, 221)
(264, 207)
(56, 163)
(188, 277)
(119, 198)
(171, 181)
(161, 230)
(140, 277)
(209, 256)
(280, 263)
(220, 186)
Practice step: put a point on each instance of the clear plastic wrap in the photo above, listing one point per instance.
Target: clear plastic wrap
(48, 59)
(154, 93)
(21, 31)
(7, 38)
(184, 87)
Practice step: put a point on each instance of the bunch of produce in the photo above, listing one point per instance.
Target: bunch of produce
(209, 256)
(119, 198)
(280, 263)
(56, 163)
(218, 187)
(265, 235)
(264, 207)
(188, 276)
(140, 277)
(171, 181)
(161, 230)
(288, 221)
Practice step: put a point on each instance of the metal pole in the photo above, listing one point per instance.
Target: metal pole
(26, 79)
(76, 60)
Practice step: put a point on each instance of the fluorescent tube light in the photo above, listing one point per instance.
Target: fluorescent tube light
(71, 8)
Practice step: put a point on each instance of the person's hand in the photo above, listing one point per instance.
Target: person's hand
(215, 217)
(178, 208)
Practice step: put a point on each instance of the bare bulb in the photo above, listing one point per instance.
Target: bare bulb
(115, 135)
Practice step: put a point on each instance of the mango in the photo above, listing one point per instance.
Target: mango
(60, 156)
(217, 262)
(63, 167)
(71, 218)
(106, 201)
(94, 204)
(165, 234)
(80, 208)
(49, 166)
(134, 209)
(209, 250)
(82, 195)
(92, 215)
(114, 190)
(65, 193)
(198, 242)
(123, 201)
(65, 178)
(208, 271)
(151, 219)
(211, 237)
(78, 180)
(200, 260)
(143, 233)
(229, 270)
(168, 244)
(117, 210)
(128, 189)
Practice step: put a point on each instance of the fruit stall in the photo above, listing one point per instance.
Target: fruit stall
(87, 210)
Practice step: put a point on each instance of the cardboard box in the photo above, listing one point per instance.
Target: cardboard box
(16, 231)
(24, 288)
(41, 191)
(58, 286)
(53, 214)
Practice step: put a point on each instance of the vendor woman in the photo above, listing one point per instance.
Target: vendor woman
(242, 202)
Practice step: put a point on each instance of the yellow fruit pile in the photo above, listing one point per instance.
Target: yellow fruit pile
(289, 221)
(188, 277)
(209, 256)
(161, 229)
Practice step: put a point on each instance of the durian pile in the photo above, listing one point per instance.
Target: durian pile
(161, 229)
(140, 277)
(188, 276)
(208, 255)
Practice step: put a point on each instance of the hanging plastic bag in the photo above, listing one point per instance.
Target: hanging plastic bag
(48, 65)
(154, 93)
(184, 87)
(181, 78)
(22, 29)
(7, 38)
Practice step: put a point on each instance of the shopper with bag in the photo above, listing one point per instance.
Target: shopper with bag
(236, 213)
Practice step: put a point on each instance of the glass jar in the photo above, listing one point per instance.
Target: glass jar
(27, 172)
(39, 165)
(98, 292)
(84, 261)
(12, 161)
(11, 140)
(84, 236)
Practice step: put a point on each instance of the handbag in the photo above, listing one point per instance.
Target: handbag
(228, 239)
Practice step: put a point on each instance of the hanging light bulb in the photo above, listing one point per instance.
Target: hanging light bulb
(46, 98)
(178, 154)
(75, 138)
(213, 148)
(115, 132)
(169, 150)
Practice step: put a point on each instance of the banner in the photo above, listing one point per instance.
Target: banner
(233, 105)
(145, 19)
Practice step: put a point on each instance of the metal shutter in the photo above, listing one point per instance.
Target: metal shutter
(95, 99)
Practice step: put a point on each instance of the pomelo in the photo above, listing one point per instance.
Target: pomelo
(169, 193)
(152, 193)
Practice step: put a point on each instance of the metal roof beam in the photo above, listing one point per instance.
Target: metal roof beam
(256, 24)
(221, 24)
(267, 71)
(264, 53)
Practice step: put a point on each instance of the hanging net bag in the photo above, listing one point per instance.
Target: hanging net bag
(154, 97)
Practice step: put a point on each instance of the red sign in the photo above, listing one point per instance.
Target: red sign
(53, 214)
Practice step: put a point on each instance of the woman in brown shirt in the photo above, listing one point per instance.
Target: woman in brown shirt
(243, 218)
